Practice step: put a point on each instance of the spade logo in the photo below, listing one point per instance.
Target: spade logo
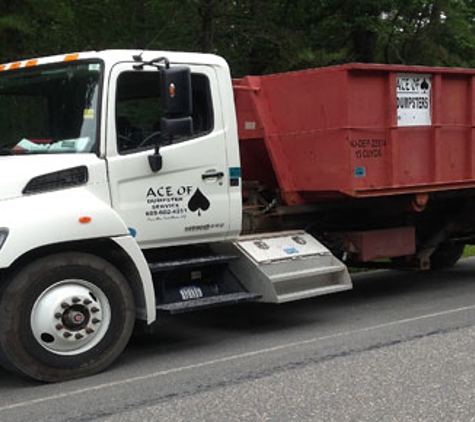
(198, 202)
(424, 85)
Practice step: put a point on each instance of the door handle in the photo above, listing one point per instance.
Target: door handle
(216, 175)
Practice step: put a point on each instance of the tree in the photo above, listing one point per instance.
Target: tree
(255, 36)
(429, 32)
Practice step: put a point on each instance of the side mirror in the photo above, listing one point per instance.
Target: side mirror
(176, 93)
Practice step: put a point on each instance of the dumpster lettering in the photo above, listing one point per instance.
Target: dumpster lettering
(413, 102)
(368, 148)
(412, 83)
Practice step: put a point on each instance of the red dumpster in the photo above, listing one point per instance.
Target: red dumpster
(359, 130)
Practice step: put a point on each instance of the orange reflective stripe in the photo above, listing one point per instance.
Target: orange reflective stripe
(15, 65)
(31, 63)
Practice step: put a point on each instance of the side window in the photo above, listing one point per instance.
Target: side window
(138, 110)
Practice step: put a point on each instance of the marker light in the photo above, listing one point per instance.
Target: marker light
(85, 219)
(172, 90)
(71, 57)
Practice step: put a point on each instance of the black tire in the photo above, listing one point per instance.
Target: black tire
(65, 316)
(446, 255)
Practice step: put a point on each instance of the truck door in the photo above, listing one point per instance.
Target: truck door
(187, 200)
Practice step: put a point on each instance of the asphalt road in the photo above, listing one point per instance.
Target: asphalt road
(399, 347)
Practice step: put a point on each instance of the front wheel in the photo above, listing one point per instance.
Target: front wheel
(65, 316)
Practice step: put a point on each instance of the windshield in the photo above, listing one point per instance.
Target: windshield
(50, 110)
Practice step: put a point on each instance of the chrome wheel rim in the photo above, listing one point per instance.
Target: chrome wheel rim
(70, 317)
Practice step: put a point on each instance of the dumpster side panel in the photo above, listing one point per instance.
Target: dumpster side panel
(453, 101)
(370, 104)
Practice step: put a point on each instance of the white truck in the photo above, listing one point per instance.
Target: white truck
(121, 197)
(135, 183)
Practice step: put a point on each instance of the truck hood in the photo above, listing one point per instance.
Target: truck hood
(17, 170)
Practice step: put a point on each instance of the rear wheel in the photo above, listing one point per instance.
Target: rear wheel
(65, 316)
(446, 255)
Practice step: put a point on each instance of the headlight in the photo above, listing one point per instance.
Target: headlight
(3, 236)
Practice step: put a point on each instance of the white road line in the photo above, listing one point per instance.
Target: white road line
(229, 358)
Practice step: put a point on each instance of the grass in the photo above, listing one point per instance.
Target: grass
(469, 251)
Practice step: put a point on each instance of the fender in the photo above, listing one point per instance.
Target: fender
(131, 248)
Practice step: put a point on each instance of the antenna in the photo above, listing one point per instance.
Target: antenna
(138, 57)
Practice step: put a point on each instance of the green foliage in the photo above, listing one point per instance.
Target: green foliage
(255, 36)
(468, 251)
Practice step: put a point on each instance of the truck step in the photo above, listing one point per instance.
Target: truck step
(285, 266)
(202, 261)
(207, 302)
